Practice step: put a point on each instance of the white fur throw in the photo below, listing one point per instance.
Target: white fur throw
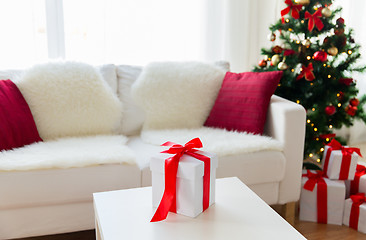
(70, 99)
(219, 141)
(67, 153)
(177, 94)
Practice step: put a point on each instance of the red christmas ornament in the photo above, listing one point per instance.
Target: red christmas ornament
(314, 20)
(326, 40)
(346, 81)
(289, 52)
(307, 72)
(277, 49)
(262, 63)
(330, 110)
(340, 96)
(339, 31)
(354, 102)
(320, 56)
(340, 21)
(351, 110)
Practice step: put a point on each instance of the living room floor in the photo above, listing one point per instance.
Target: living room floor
(312, 231)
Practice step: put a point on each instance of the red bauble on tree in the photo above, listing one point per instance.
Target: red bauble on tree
(351, 110)
(277, 49)
(262, 63)
(330, 110)
(340, 21)
(354, 102)
(320, 56)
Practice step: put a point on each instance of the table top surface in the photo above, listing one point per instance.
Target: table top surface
(238, 213)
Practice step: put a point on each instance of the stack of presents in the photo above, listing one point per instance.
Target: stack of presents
(336, 195)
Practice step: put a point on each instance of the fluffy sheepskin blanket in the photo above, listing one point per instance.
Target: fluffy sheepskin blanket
(67, 153)
(177, 94)
(215, 140)
(70, 99)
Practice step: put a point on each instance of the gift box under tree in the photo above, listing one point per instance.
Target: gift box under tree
(339, 162)
(355, 212)
(321, 199)
(358, 184)
(185, 182)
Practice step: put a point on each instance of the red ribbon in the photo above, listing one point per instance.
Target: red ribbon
(357, 200)
(346, 158)
(294, 8)
(355, 183)
(325, 136)
(314, 20)
(307, 72)
(168, 202)
(322, 197)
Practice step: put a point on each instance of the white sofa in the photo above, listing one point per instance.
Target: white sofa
(55, 200)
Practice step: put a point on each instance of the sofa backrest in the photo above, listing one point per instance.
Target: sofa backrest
(120, 78)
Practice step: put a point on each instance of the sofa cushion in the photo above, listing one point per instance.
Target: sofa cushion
(219, 141)
(62, 186)
(109, 74)
(70, 99)
(265, 166)
(68, 153)
(177, 94)
(243, 100)
(133, 116)
(17, 127)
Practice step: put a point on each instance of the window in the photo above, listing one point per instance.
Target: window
(23, 33)
(101, 31)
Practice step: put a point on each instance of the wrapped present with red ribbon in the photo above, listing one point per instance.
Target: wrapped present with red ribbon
(339, 162)
(358, 184)
(184, 182)
(355, 212)
(321, 199)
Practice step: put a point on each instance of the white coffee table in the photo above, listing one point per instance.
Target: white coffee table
(237, 214)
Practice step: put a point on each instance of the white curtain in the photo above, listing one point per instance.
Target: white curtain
(355, 18)
(238, 29)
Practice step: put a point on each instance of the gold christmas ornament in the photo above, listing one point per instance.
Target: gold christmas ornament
(302, 2)
(332, 51)
(326, 12)
(282, 66)
(306, 42)
(275, 59)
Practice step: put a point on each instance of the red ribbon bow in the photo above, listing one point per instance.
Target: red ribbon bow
(355, 183)
(307, 72)
(357, 200)
(294, 8)
(322, 198)
(325, 136)
(314, 20)
(168, 202)
(346, 158)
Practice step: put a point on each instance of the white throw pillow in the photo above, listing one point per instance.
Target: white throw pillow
(70, 99)
(177, 94)
(109, 74)
(133, 116)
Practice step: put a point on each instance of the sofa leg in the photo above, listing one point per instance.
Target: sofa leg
(288, 211)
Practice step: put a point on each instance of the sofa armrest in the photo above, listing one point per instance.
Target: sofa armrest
(286, 122)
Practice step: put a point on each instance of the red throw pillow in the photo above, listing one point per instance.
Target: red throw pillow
(243, 100)
(17, 127)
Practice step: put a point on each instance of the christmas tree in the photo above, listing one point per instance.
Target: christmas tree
(317, 55)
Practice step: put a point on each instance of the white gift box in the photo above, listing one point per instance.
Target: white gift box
(361, 186)
(336, 192)
(362, 217)
(335, 162)
(189, 182)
